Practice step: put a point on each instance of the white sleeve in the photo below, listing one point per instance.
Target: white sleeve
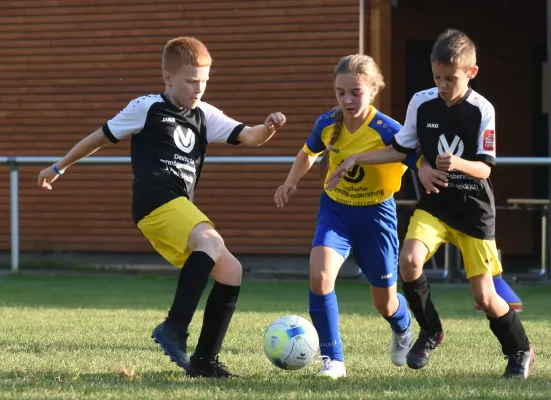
(129, 121)
(406, 139)
(220, 127)
(486, 136)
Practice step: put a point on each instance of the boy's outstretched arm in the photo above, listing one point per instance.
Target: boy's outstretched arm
(89, 145)
(127, 122)
(260, 134)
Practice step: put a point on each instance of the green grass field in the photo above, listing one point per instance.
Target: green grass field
(72, 338)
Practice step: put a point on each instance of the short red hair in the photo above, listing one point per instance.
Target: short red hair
(185, 51)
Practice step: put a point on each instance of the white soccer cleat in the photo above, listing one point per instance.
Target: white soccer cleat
(399, 347)
(332, 369)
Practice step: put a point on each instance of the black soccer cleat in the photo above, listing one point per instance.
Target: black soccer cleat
(209, 368)
(420, 352)
(174, 344)
(518, 365)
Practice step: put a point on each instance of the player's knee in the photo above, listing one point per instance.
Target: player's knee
(385, 300)
(385, 307)
(321, 282)
(206, 239)
(324, 268)
(409, 260)
(485, 299)
(228, 270)
(234, 272)
(410, 266)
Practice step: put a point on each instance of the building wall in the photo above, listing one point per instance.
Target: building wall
(507, 35)
(67, 67)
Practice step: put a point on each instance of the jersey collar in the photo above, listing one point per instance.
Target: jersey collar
(370, 116)
(467, 94)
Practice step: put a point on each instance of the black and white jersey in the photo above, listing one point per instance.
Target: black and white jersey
(467, 130)
(168, 147)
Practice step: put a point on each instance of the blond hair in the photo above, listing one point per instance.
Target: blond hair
(185, 51)
(455, 48)
(365, 67)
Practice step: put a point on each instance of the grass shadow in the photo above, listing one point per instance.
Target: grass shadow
(170, 384)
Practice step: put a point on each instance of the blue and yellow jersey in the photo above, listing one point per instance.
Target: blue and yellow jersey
(365, 184)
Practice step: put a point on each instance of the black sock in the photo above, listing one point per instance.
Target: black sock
(218, 314)
(417, 293)
(193, 279)
(509, 331)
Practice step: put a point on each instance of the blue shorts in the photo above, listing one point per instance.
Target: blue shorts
(369, 231)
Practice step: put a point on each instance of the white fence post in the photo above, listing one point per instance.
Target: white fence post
(14, 210)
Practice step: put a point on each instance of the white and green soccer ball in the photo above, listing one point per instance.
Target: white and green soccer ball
(291, 342)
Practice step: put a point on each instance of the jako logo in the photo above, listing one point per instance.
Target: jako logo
(432, 125)
(184, 139)
(169, 119)
(456, 148)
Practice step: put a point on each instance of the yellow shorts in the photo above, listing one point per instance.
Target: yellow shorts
(168, 227)
(479, 255)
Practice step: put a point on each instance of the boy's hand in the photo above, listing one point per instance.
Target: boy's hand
(283, 193)
(447, 162)
(46, 177)
(431, 177)
(340, 173)
(275, 121)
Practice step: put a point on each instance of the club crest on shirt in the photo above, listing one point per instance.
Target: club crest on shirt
(488, 140)
(184, 139)
(456, 147)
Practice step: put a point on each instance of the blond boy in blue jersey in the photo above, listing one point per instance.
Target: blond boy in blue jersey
(359, 214)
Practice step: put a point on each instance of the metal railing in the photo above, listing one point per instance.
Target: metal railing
(14, 163)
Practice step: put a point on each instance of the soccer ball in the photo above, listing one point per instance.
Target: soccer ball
(291, 342)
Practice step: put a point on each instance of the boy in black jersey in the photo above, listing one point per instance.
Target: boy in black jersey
(170, 133)
(454, 128)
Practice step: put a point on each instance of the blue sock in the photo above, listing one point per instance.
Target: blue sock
(400, 320)
(324, 311)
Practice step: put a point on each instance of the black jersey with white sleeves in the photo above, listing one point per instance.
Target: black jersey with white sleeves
(168, 147)
(467, 130)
